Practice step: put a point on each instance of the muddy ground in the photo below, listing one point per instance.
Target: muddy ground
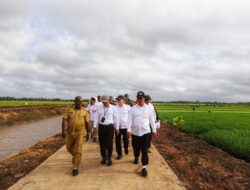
(17, 166)
(14, 116)
(200, 165)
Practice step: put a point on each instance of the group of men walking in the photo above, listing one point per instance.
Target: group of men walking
(105, 118)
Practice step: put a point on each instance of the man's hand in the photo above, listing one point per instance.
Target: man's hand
(94, 131)
(117, 131)
(64, 128)
(129, 135)
(64, 135)
(154, 134)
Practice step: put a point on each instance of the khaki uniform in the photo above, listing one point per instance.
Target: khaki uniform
(76, 120)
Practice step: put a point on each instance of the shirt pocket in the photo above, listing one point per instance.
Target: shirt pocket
(70, 114)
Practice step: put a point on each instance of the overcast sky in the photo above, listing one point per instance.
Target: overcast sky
(171, 49)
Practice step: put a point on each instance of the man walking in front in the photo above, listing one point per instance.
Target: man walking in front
(123, 111)
(107, 121)
(75, 122)
(139, 121)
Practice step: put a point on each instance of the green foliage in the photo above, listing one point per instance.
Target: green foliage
(228, 127)
(178, 121)
(18, 103)
(234, 141)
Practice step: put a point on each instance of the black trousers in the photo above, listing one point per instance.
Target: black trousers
(106, 136)
(150, 137)
(118, 143)
(140, 144)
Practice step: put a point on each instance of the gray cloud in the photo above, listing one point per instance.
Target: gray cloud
(174, 50)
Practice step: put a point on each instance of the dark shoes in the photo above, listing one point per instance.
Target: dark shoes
(126, 152)
(136, 161)
(75, 172)
(104, 160)
(94, 139)
(87, 138)
(119, 157)
(109, 162)
(144, 172)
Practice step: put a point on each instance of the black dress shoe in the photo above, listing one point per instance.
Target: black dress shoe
(109, 162)
(126, 152)
(119, 157)
(103, 161)
(136, 160)
(75, 172)
(144, 172)
(86, 138)
(94, 139)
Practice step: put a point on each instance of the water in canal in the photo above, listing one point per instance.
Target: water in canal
(15, 138)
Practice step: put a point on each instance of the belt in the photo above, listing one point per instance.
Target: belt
(106, 125)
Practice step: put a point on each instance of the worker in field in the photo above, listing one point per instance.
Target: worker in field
(92, 109)
(107, 121)
(139, 121)
(123, 111)
(156, 119)
(75, 123)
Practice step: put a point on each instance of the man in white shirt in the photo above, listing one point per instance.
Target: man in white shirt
(123, 111)
(107, 121)
(99, 100)
(156, 119)
(92, 109)
(139, 121)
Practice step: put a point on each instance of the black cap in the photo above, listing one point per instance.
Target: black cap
(120, 97)
(147, 97)
(140, 94)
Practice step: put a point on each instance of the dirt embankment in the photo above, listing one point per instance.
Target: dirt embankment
(17, 166)
(200, 165)
(13, 116)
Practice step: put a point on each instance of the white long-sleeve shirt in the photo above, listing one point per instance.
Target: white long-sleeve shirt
(92, 109)
(153, 110)
(110, 114)
(123, 112)
(139, 120)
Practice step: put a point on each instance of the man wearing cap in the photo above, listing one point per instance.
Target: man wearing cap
(156, 119)
(123, 111)
(92, 109)
(108, 121)
(75, 121)
(139, 121)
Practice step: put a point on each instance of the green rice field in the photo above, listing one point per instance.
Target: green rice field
(23, 103)
(225, 126)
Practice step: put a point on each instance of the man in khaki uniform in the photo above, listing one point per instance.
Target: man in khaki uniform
(74, 126)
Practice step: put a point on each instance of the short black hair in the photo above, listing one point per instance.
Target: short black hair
(147, 97)
(93, 99)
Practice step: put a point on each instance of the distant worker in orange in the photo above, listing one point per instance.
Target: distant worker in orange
(74, 126)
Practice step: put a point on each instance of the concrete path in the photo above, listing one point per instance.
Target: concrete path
(55, 173)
